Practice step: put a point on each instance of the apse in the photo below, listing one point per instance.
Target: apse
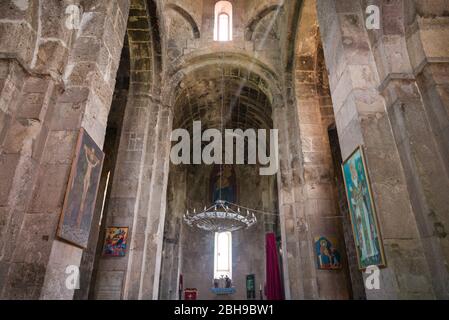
(221, 96)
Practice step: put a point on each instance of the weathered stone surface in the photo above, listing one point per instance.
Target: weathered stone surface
(136, 69)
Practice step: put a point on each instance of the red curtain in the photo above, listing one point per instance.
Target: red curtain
(273, 289)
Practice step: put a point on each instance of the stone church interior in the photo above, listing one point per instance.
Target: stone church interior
(351, 98)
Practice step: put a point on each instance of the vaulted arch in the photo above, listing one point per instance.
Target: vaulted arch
(188, 17)
(252, 24)
(269, 78)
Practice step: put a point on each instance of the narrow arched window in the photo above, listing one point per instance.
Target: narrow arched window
(223, 21)
(223, 255)
(223, 27)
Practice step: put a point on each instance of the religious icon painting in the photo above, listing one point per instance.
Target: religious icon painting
(79, 202)
(223, 183)
(115, 242)
(327, 253)
(365, 227)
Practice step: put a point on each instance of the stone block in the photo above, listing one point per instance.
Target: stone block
(17, 135)
(68, 110)
(25, 280)
(5, 120)
(33, 240)
(10, 96)
(60, 147)
(110, 281)
(17, 38)
(127, 179)
(50, 188)
(62, 255)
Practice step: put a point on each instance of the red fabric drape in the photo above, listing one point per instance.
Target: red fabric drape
(273, 283)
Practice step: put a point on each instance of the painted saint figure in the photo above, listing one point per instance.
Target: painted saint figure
(79, 201)
(223, 187)
(365, 235)
(92, 161)
(328, 257)
(324, 256)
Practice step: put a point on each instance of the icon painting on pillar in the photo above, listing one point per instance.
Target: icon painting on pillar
(365, 228)
(327, 253)
(81, 193)
(115, 242)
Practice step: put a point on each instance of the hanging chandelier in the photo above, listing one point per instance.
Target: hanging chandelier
(221, 217)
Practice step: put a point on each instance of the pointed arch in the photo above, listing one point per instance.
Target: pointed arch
(252, 24)
(187, 17)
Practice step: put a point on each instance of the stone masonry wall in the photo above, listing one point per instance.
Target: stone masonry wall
(362, 119)
(62, 79)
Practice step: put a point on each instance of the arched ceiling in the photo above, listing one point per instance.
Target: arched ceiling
(223, 94)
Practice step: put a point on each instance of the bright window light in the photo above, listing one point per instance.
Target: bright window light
(223, 21)
(223, 255)
(223, 27)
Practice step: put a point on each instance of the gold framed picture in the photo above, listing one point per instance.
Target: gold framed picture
(364, 222)
(115, 242)
(79, 202)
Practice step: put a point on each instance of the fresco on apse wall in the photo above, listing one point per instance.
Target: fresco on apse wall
(222, 183)
(115, 242)
(79, 201)
(327, 253)
(363, 216)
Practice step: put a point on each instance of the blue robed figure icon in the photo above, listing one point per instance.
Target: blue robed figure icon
(223, 184)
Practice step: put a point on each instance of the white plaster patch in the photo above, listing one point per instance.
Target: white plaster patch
(67, 72)
(21, 4)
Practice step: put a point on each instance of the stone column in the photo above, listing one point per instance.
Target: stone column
(25, 101)
(362, 119)
(306, 196)
(128, 203)
(320, 210)
(176, 207)
(426, 34)
(90, 81)
(82, 64)
(25, 96)
(154, 229)
(140, 178)
(297, 246)
(418, 120)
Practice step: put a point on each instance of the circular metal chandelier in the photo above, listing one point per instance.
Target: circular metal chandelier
(220, 217)
(223, 215)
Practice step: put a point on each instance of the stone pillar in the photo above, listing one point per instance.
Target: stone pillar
(409, 70)
(140, 178)
(25, 101)
(154, 229)
(176, 207)
(129, 197)
(90, 78)
(362, 119)
(427, 34)
(57, 57)
(297, 246)
(306, 194)
(321, 213)
(25, 97)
